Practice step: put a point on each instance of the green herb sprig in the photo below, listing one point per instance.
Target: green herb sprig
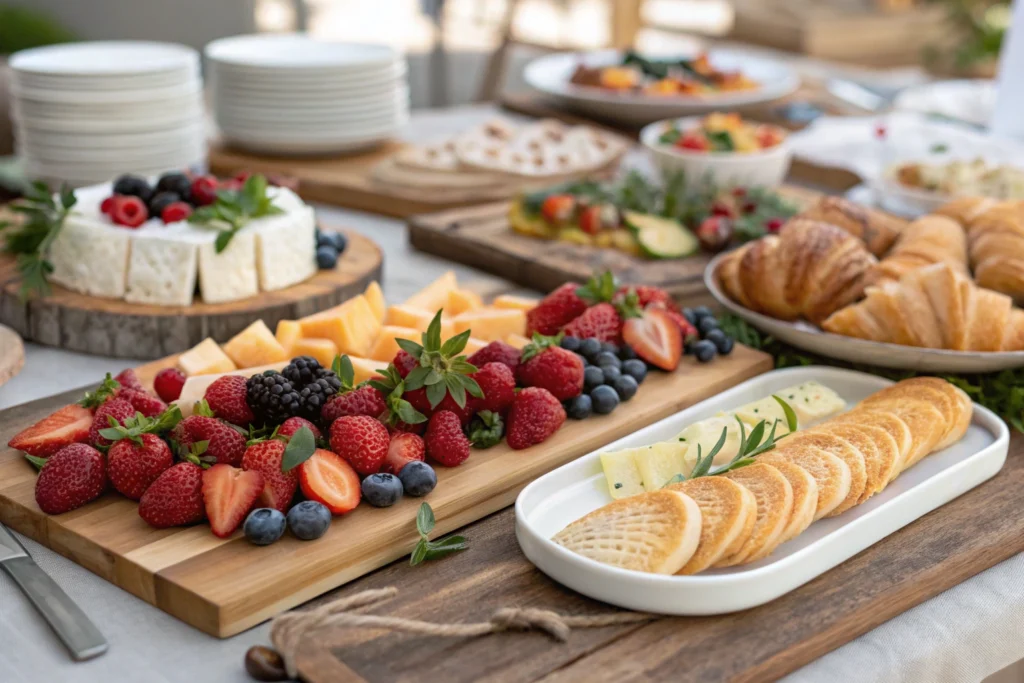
(234, 208)
(443, 369)
(137, 425)
(432, 550)
(28, 240)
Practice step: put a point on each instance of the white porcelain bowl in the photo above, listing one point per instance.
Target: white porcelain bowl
(767, 168)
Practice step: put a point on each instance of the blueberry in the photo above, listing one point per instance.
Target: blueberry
(637, 369)
(593, 376)
(725, 347)
(605, 399)
(135, 186)
(326, 257)
(263, 526)
(611, 373)
(570, 343)
(418, 478)
(707, 324)
(690, 316)
(625, 386)
(178, 183)
(161, 201)
(324, 239)
(382, 490)
(340, 242)
(309, 520)
(579, 407)
(610, 348)
(702, 312)
(704, 350)
(606, 358)
(590, 348)
(627, 353)
(586, 362)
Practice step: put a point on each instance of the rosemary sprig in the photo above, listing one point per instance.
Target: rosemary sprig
(234, 208)
(432, 550)
(29, 239)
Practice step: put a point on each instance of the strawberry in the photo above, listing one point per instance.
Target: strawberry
(228, 495)
(293, 424)
(601, 322)
(361, 440)
(647, 294)
(498, 385)
(226, 398)
(326, 478)
(143, 402)
(403, 449)
(545, 364)
(70, 478)
(534, 416)
(116, 409)
(68, 425)
(688, 331)
(558, 208)
(224, 444)
(405, 363)
(129, 380)
(464, 412)
(445, 441)
(168, 384)
(175, 498)
(351, 400)
(496, 352)
(279, 486)
(656, 338)
(134, 464)
(555, 310)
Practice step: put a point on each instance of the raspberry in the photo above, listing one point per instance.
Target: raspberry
(107, 205)
(204, 190)
(130, 212)
(176, 211)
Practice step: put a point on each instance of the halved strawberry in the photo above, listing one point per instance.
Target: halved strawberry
(68, 425)
(228, 495)
(655, 337)
(328, 479)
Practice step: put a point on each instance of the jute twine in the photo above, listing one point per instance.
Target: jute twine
(288, 630)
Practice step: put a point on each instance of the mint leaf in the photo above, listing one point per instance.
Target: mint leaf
(425, 519)
(300, 448)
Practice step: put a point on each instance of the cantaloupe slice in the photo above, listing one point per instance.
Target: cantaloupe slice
(462, 300)
(352, 327)
(516, 340)
(434, 295)
(324, 350)
(375, 297)
(288, 332)
(473, 345)
(491, 324)
(366, 368)
(522, 303)
(255, 345)
(204, 358)
(402, 315)
(386, 346)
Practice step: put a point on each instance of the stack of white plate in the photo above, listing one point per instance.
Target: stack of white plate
(293, 94)
(87, 112)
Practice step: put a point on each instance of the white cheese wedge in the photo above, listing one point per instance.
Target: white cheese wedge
(90, 257)
(621, 471)
(768, 410)
(164, 264)
(812, 402)
(196, 385)
(285, 248)
(660, 462)
(704, 436)
(231, 274)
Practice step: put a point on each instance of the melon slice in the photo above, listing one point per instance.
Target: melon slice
(491, 324)
(434, 295)
(288, 332)
(204, 358)
(521, 303)
(386, 346)
(255, 345)
(352, 327)
(516, 340)
(366, 368)
(462, 300)
(473, 345)
(324, 350)
(402, 315)
(375, 297)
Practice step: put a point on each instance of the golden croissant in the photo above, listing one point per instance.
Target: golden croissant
(996, 244)
(928, 240)
(876, 228)
(810, 269)
(934, 307)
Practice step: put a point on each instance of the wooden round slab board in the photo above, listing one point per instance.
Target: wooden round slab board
(111, 327)
(12, 354)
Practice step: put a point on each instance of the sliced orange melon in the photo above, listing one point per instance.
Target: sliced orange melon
(462, 300)
(516, 340)
(324, 350)
(205, 358)
(366, 368)
(375, 297)
(434, 295)
(386, 345)
(522, 303)
(255, 345)
(288, 332)
(491, 324)
(473, 345)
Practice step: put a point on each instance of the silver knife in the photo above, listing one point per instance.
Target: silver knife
(78, 634)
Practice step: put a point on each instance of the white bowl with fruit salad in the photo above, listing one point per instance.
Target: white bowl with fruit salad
(722, 148)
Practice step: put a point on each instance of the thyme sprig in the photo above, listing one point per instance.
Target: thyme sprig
(29, 239)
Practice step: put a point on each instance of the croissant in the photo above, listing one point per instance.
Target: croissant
(931, 239)
(965, 209)
(995, 236)
(934, 307)
(810, 269)
(876, 228)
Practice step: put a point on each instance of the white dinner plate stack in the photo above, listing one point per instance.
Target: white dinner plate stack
(87, 112)
(294, 94)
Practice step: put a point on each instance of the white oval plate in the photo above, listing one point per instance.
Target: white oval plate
(563, 495)
(297, 52)
(185, 90)
(105, 58)
(225, 75)
(811, 338)
(550, 74)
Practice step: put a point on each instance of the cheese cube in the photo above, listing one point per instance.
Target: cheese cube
(323, 350)
(516, 340)
(385, 348)
(285, 247)
(622, 474)
(366, 368)
(461, 300)
(522, 303)
(435, 295)
(767, 409)
(90, 257)
(162, 268)
(230, 275)
(288, 332)
(375, 297)
(491, 324)
(255, 345)
(703, 436)
(812, 401)
(660, 462)
(205, 358)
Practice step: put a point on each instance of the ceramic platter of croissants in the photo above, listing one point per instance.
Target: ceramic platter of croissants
(937, 294)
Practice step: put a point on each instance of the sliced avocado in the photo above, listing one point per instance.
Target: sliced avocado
(660, 237)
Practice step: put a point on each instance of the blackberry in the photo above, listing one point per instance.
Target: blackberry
(177, 183)
(161, 201)
(134, 186)
(314, 383)
(302, 370)
(271, 397)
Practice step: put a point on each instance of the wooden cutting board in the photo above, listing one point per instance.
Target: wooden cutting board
(225, 586)
(112, 327)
